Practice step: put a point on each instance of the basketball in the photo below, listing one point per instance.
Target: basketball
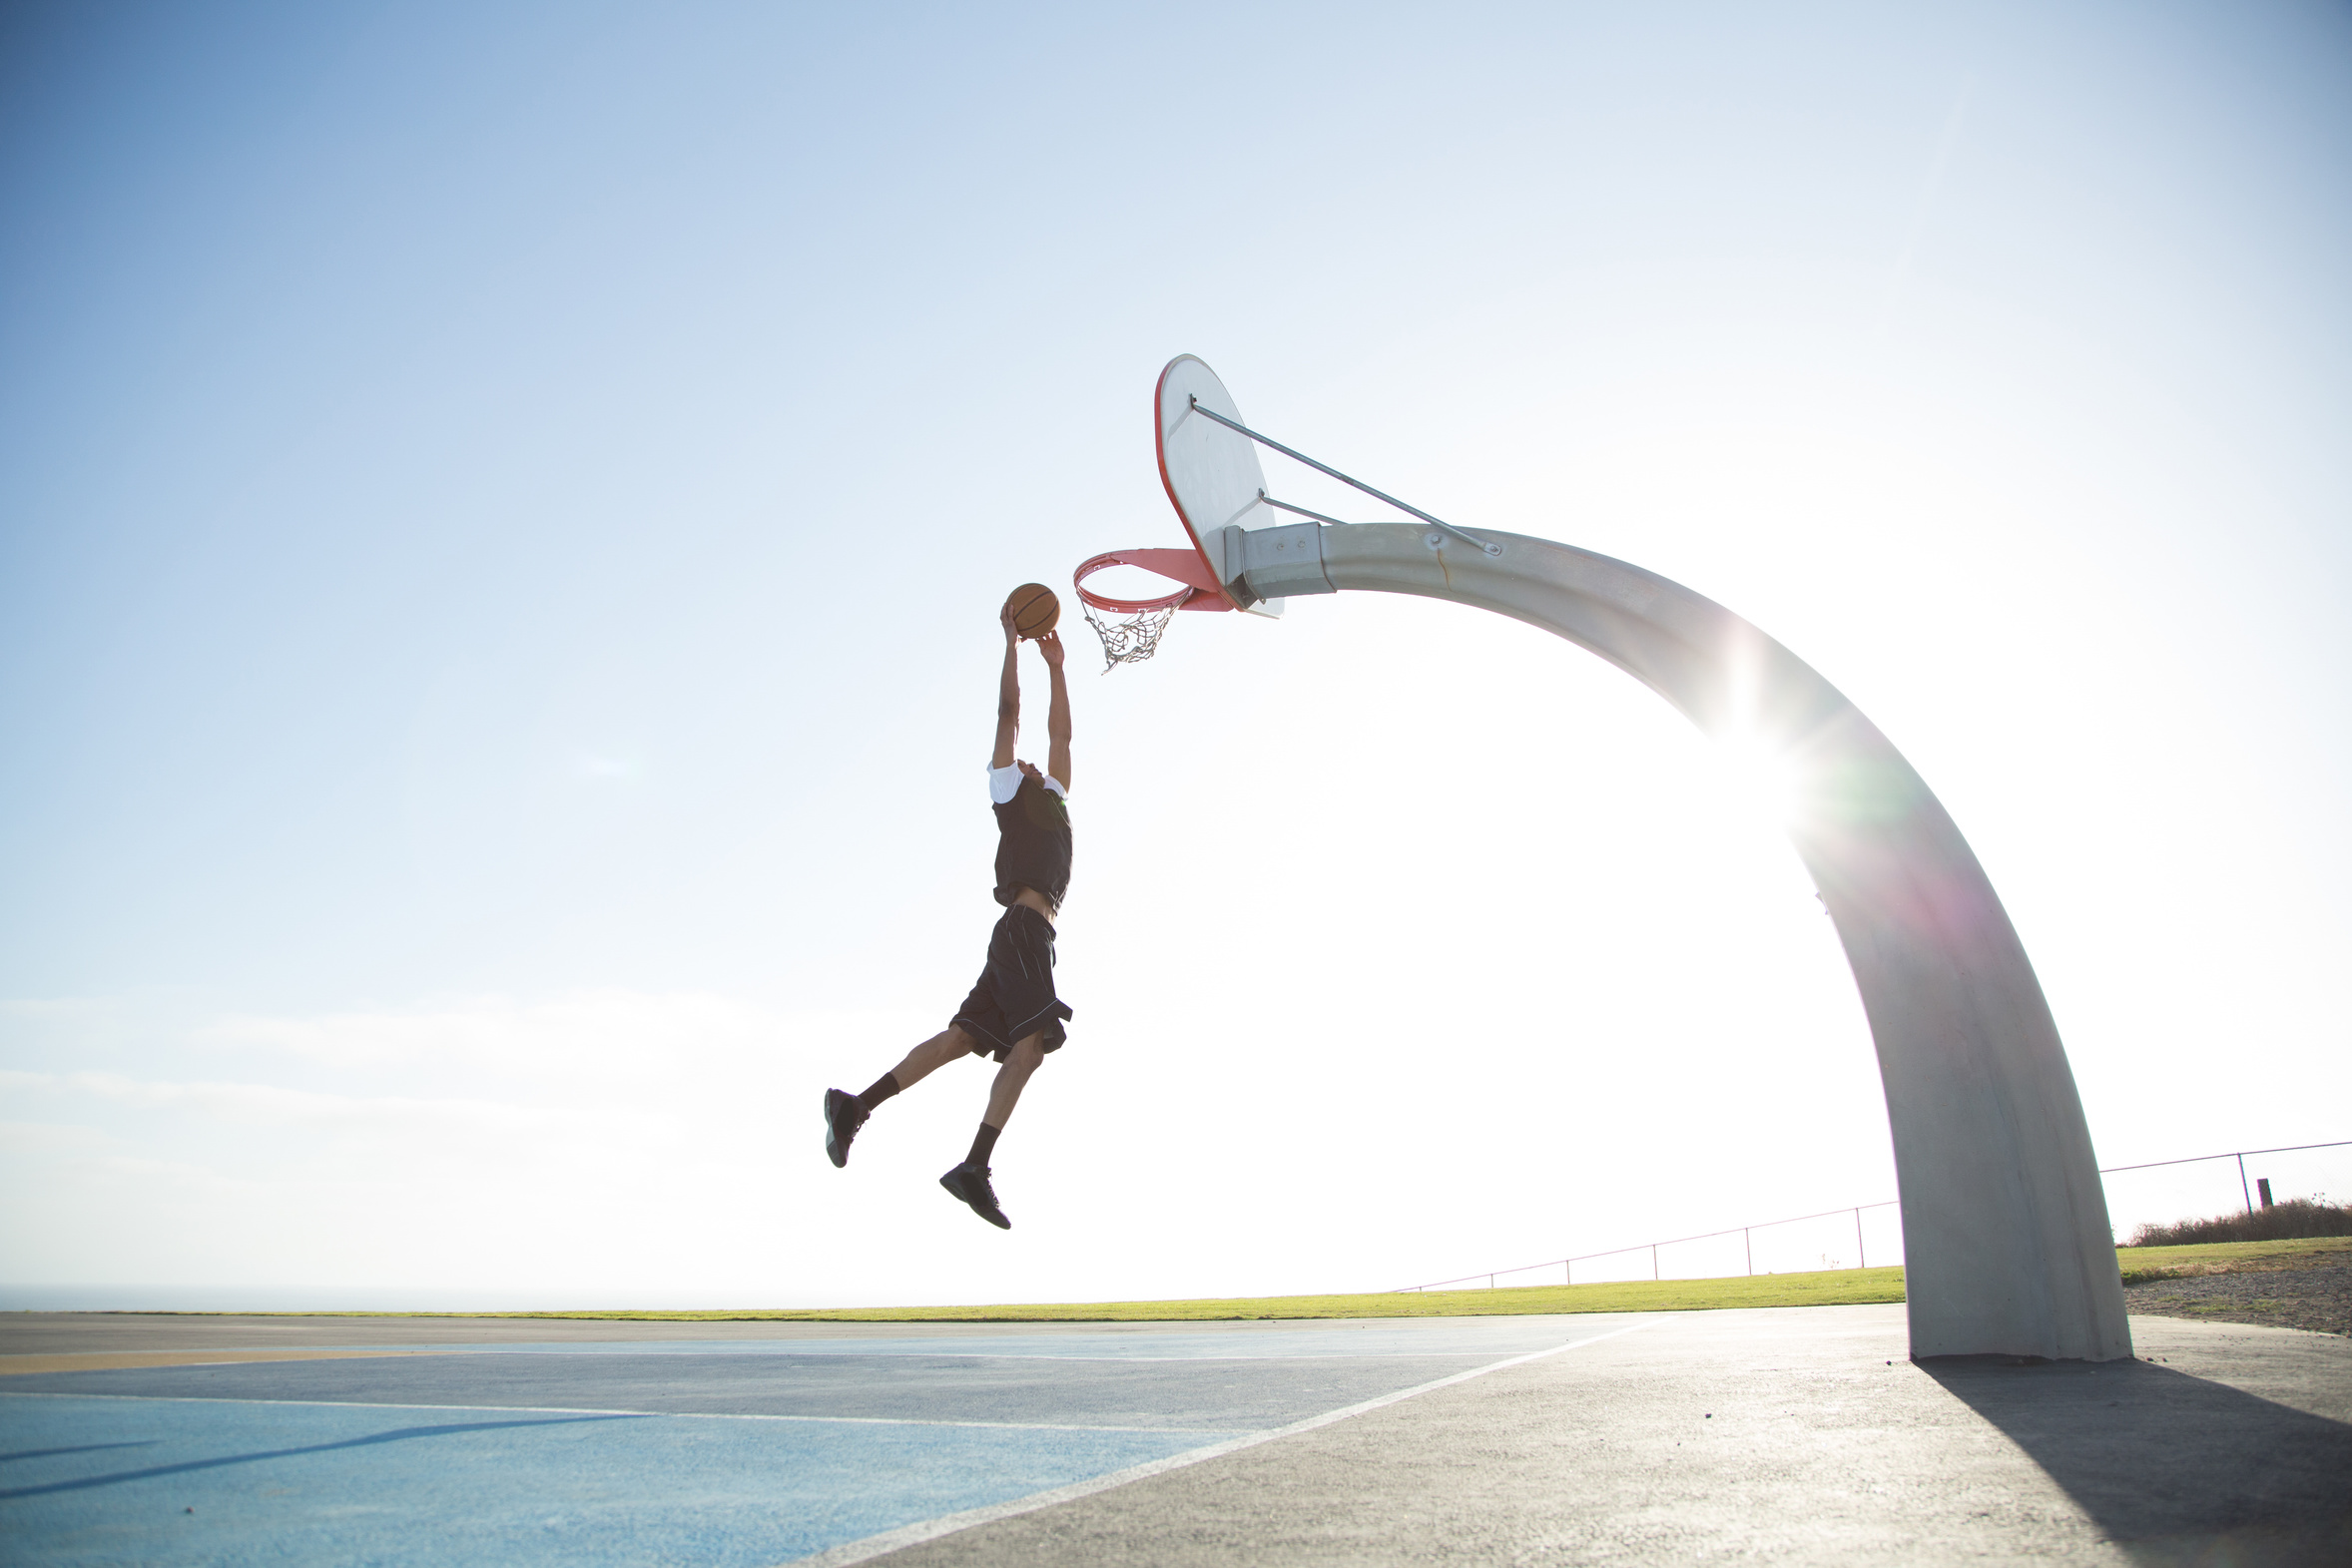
(1034, 610)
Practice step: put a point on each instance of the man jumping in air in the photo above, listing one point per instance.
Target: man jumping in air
(1013, 1013)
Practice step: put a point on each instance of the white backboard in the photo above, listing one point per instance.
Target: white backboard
(1211, 472)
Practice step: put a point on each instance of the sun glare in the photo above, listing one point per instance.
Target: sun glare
(1757, 777)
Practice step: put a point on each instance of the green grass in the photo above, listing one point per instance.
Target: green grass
(1834, 1288)
(1831, 1287)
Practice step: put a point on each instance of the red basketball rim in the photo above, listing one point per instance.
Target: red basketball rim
(1108, 558)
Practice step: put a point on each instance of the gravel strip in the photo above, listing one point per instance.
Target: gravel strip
(2317, 1297)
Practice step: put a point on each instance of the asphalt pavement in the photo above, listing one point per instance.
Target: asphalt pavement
(1799, 1435)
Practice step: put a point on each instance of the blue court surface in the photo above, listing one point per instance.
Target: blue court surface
(745, 1451)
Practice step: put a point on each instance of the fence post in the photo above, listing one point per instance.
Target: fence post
(2241, 1183)
(1861, 1252)
(1749, 1241)
(1653, 1261)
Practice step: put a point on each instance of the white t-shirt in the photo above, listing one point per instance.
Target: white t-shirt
(1005, 782)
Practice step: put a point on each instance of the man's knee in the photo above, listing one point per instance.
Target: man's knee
(1027, 1053)
(953, 1042)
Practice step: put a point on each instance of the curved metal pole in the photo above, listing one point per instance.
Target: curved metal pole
(2005, 1222)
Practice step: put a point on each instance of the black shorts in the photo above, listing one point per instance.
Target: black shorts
(1014, 997)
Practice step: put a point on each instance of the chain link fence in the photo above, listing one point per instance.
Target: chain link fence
(1870, 1236)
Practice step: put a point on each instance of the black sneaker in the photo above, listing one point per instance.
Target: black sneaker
(970, 1182)
(842, 1116)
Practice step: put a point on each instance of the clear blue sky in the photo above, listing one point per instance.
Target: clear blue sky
(502, 510)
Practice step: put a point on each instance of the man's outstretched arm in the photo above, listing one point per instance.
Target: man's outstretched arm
(1057, 713)
(1008, 698)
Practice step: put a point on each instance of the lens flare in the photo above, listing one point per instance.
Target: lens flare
(1758, 778)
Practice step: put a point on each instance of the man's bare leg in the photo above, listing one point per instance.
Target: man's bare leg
(846, 1113)
(934, 1054)
(1005, 1093)
(969, 1180)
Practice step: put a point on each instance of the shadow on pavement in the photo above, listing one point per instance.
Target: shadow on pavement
(404, 1434)
(2174, 1468)
(47, 1454)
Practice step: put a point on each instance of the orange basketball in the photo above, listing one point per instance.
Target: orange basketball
(1034, 610)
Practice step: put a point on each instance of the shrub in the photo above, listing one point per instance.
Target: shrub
(2283, 1221)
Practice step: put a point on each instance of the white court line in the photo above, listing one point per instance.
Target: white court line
(1038, 1356)
(363, 1354)
(873, 1546)
(672, 1416)
(937, 1356)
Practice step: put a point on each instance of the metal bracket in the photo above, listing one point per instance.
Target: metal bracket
(1275, 563)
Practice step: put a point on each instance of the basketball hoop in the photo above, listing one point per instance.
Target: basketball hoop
(1137, 638)
(1210, 472)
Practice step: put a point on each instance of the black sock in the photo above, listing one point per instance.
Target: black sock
(884, 1086)
(983, 1145)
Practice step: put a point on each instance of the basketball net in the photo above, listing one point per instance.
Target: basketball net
(1135, 639)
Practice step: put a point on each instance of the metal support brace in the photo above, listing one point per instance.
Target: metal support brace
(1463, 535)
(1300, 511)
(2008, 1247)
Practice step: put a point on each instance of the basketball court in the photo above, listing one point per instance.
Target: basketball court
(740, 1443)
(1666, 1437)
(2037, 1422)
